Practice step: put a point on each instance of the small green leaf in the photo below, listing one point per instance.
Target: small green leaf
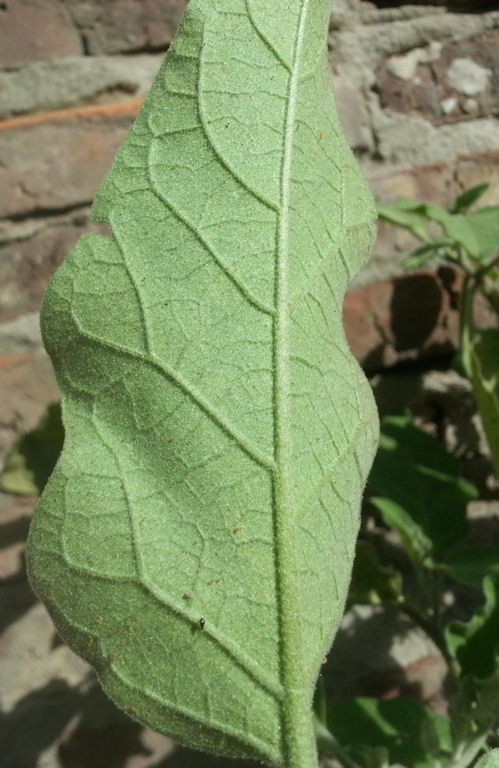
(422, 483)
(431, 250)
(457, 227)
(406, 214)
(470, 566)
(30, 464)
(484, 363)
(485, 225)
(475, 644)
(418, 546)
(372, 583)
(463, 203)
(196, 540)
(412, 734)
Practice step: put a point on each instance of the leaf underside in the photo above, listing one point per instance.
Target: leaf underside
(218, 430)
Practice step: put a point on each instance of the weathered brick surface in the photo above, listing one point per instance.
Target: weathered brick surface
(36, 29)
(128, 25)
(407, 318)
(453, 82)
(402, 319)
(471, 171)
(27, 265)
(49, 85)
(56, 165)
(28, 385)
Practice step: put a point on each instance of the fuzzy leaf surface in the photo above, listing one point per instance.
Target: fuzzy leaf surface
(490, 760)
(195, 542)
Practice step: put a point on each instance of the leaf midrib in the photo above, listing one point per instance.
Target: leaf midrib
(296, 714)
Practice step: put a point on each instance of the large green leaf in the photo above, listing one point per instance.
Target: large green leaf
(195, 542)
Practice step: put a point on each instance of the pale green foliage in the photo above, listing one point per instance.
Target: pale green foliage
(489, 761)
(471, 241)
(218, 430)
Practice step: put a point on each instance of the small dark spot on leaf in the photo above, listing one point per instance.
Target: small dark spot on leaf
(202, 623)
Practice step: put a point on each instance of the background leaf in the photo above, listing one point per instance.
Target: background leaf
(484, 359)
(372, 583)
(412, 734)
(417, 487)
(405, 213)
(473, 711)
(469, 197)
(485, 224)
(471, 565)
(475, 644)
(195, 542)
(30, 464)
(457, 227)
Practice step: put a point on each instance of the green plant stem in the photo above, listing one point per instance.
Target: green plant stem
(466, 753)
(466, 323)
(328, 744)
(481, 273)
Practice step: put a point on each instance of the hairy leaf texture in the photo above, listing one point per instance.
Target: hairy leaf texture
(195, 541)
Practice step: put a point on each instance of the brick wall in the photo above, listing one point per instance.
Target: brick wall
(418, 93)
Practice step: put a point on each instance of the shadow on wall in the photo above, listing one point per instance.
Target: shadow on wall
(81, 728)
(16, 596)
(418, 306)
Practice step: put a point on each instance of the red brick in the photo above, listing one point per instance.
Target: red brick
(128, 25)
(57, 164)
(423, 94)
(408, 318)
(15, 516)
(28, 386)
(434, 183)
(35, 29)
(26, 266)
